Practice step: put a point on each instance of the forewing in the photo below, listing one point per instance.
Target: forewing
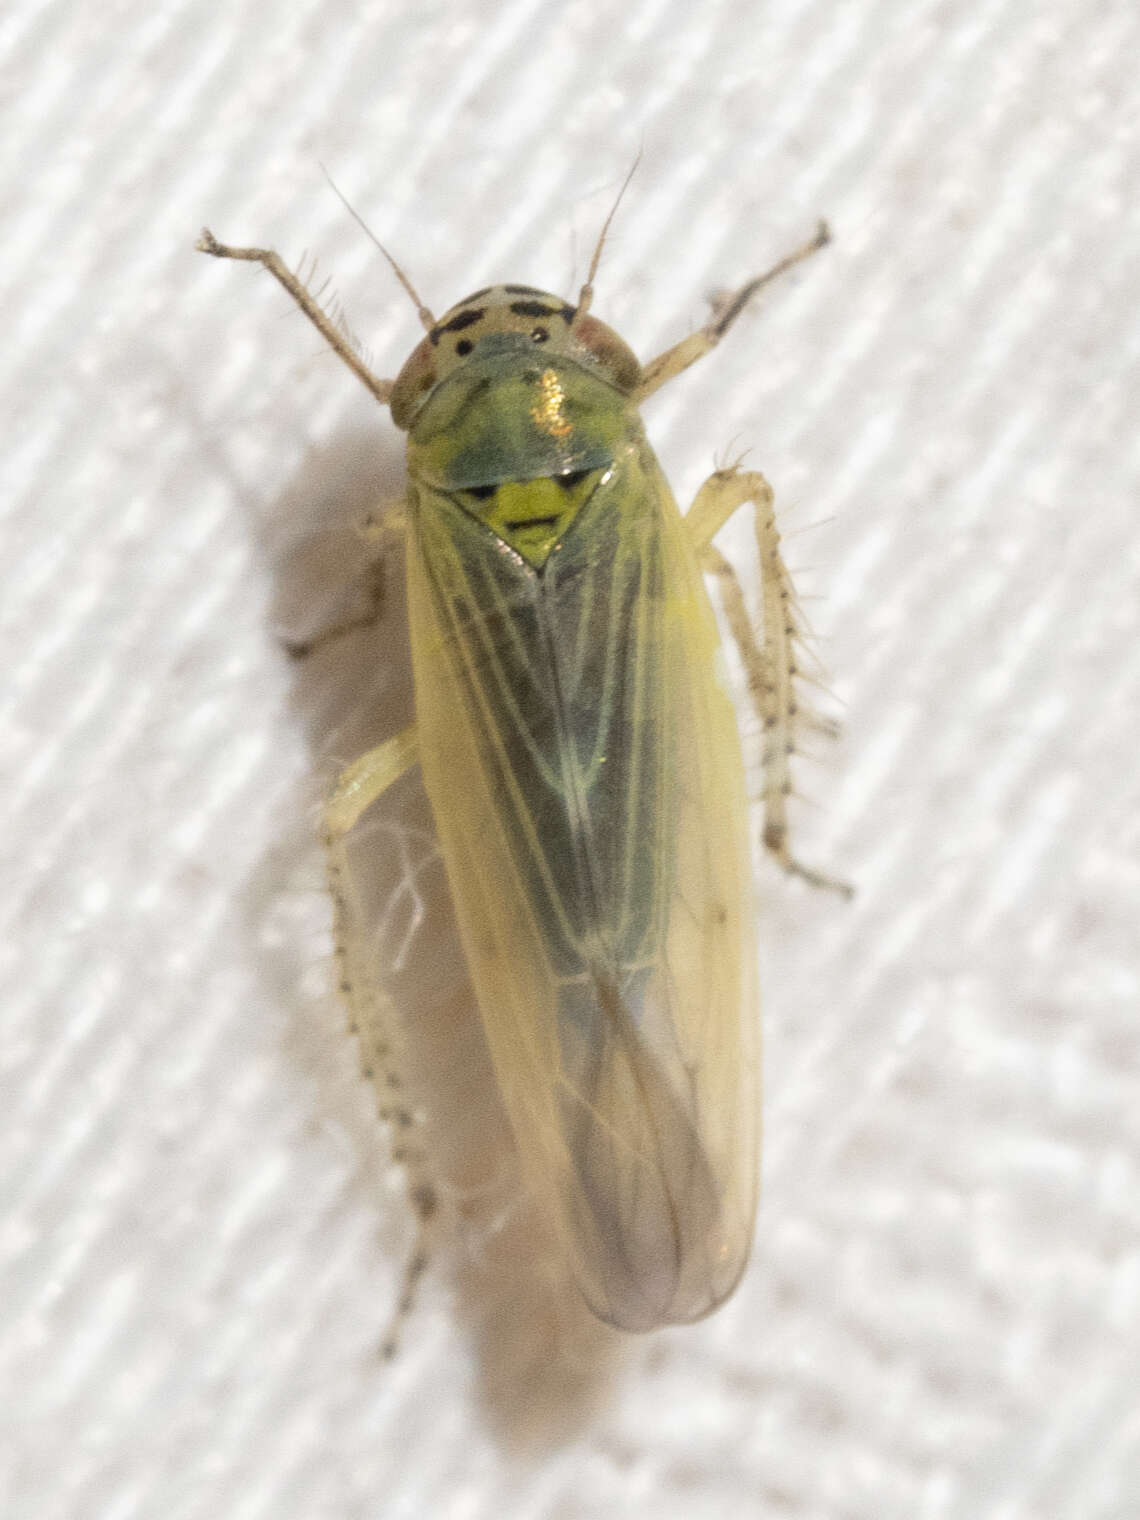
(583, 764)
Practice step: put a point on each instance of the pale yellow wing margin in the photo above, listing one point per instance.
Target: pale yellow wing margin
(584, 767)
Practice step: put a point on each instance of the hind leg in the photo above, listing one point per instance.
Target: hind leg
(770, 661)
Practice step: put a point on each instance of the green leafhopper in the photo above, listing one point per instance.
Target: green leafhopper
(581, 756)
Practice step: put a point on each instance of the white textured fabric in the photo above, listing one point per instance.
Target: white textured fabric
(201, 1232)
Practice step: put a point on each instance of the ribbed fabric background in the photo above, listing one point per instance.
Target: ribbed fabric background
(201, 1235)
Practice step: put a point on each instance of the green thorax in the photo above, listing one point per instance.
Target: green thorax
(519, 439)
(515, 404)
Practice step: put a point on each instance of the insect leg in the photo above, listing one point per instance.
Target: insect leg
(328, 329)
(771, 664)
(658, 371)
(361, 783)
(371, 1017)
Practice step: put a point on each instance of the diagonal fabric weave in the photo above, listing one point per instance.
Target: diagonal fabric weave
(202, 1235)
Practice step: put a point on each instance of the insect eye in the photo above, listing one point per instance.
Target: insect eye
(539, 334)
(572, 478)
(481, 493)
(464, 347)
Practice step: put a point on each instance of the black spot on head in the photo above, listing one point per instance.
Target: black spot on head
(464, 347)
(457, 323)
(533, 309)
(523, 290)
(481, 493)
(461, 319)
